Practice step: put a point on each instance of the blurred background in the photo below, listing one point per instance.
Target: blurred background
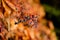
(52, 8)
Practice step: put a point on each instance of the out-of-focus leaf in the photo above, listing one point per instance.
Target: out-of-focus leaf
(52, 10)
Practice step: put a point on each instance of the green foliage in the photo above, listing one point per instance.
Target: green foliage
(52, 10)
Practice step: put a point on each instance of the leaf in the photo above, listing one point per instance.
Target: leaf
(51, 10)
